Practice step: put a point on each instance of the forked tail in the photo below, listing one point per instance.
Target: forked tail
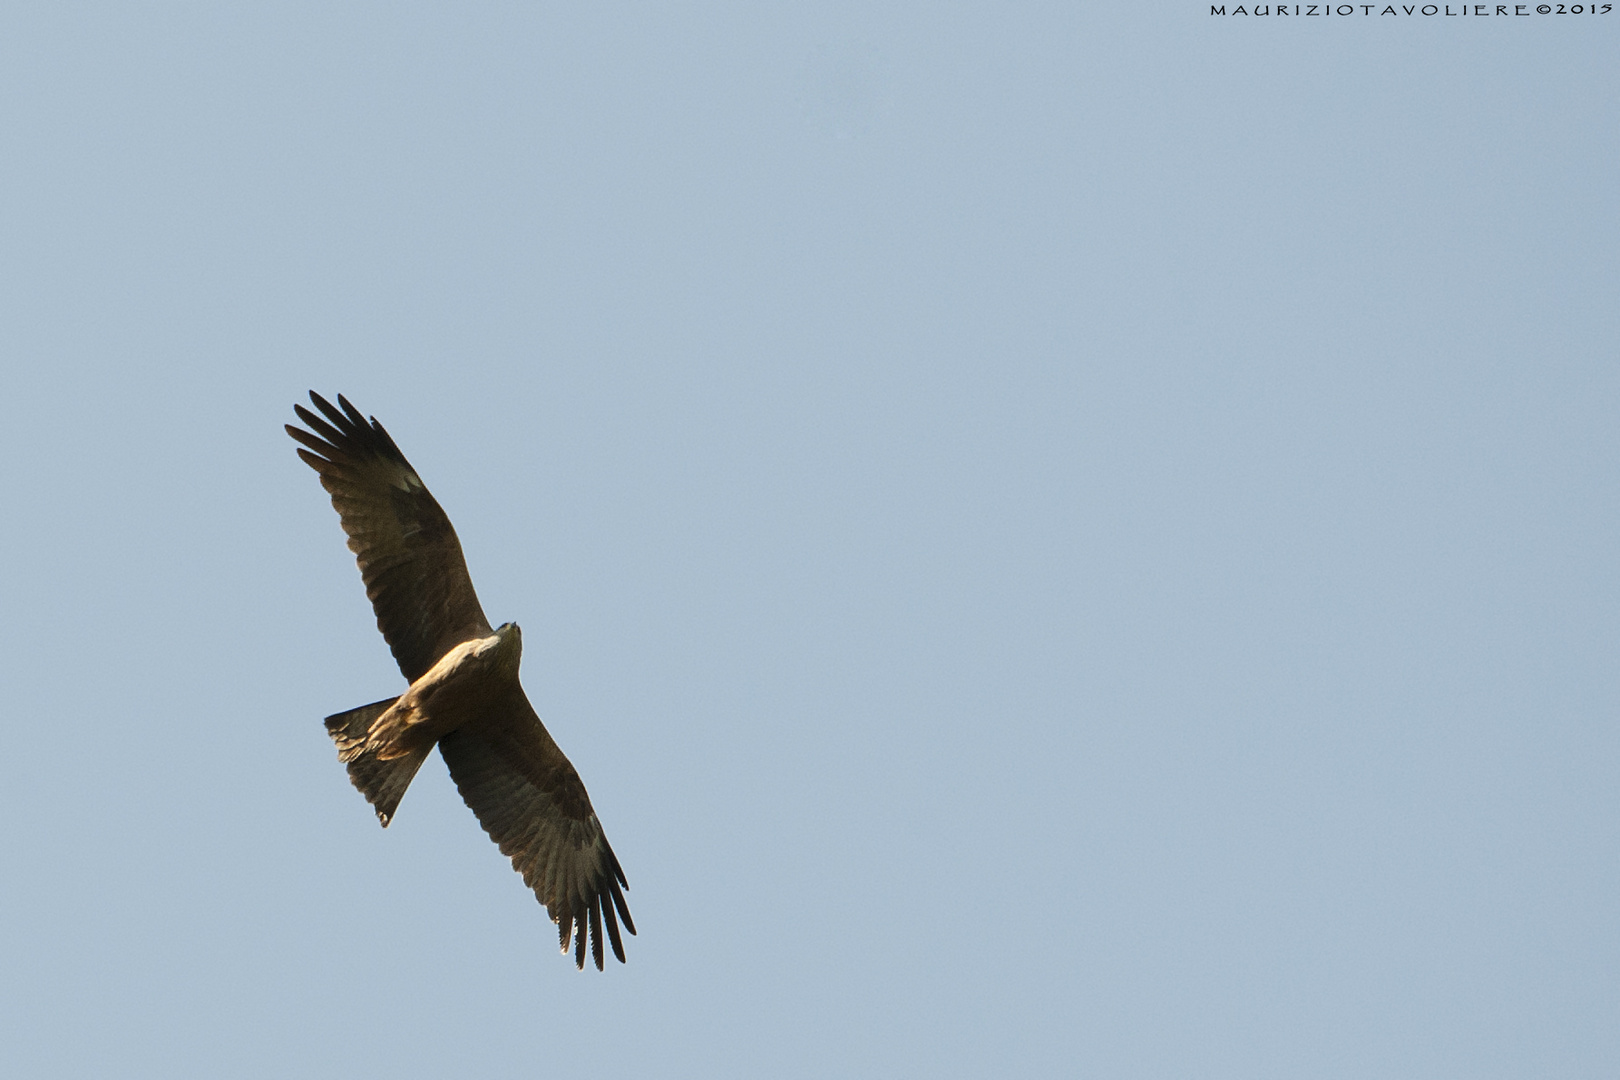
(383, 783)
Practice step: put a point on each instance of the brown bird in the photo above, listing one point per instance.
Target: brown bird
(464, 694)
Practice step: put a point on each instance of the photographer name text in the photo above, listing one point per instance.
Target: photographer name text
(1463, 10)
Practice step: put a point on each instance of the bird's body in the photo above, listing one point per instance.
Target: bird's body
(467, 686)
(464, 694)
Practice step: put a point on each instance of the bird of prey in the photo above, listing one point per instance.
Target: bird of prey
(464, 694)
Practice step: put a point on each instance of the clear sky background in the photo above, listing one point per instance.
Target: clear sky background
(1064, 540)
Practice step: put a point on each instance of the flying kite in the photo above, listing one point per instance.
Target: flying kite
(464, 695)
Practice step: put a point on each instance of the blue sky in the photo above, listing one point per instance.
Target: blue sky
(1063, 542)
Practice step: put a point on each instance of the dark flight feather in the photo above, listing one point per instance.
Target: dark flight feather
(532, 804)
(408, 553)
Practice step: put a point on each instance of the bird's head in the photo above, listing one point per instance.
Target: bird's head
(510, 643)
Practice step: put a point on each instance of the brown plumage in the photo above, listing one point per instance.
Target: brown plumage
(464, 695)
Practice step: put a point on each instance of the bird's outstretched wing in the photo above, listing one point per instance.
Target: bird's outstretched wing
(408, 553)
(531, 802)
